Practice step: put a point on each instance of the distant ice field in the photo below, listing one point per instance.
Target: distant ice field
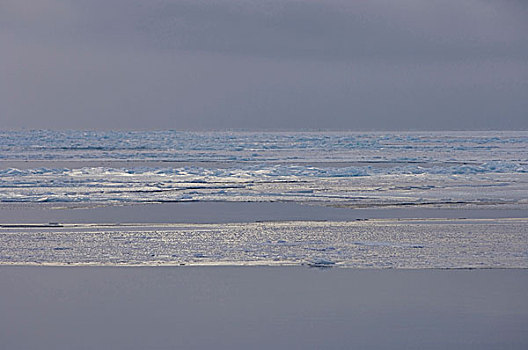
(264, 146)
(446, 169)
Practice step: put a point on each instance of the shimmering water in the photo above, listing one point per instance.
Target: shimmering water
(368, 244)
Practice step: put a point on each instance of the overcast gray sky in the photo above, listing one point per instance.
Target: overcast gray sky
(259, 64)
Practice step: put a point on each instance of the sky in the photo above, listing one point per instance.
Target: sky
(264, 64)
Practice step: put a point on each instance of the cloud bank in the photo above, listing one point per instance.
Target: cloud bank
(289, 64)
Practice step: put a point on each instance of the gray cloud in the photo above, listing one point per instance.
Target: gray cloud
(264, 64)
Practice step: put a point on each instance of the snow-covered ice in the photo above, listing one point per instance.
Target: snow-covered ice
(353, 169)
(358, 244)
(461, 170)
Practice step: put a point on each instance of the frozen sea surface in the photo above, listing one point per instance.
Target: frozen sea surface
(401, 147)
(344, 169)
(498, 243)
(91, 176)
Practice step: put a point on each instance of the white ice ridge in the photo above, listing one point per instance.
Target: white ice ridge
(344, 186)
